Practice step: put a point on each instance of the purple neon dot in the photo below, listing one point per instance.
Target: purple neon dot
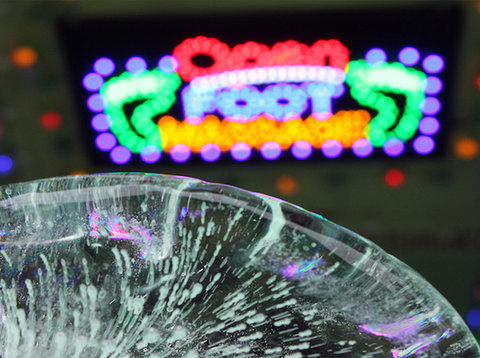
(362, 147)
(429, 125)
(301, 149)
(332, 148)
(168, 64)
(93, 81)
(104, 66)
(393, 147)
(430, 105)
(180, 153)
(409, 56)
(473, 318)
(240, 151)
(210, 152)
(338, 91)
(376, 56)
(150, 154)
(101, 122)
(136, 65)
(105, 141)
(433, 64)
(432, 85)
(423, 145)
(271, 150)
(6, 164)
(120, 155)
(96, 102)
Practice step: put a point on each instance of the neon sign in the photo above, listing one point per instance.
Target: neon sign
(268, 99)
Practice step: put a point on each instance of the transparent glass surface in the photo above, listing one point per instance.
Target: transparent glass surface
(137, 265)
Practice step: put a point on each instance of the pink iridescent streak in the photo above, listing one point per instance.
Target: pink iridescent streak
(116, 231)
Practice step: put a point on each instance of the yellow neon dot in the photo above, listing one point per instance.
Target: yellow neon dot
(466, 148)
(287, 185)
(23, 57)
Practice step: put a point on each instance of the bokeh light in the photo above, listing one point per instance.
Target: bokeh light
(96, 102)
(23, 57)
(136, 65)
(240, 151)
(150, 154)
(466, 148)
(433, 64)
(6, 164)
(362, 147)
(180, 153)
(210, 152)
(432, 85)
(393, 147)
(429, 125)
(105, 141)
(409, 56)
(302, 149)
(394, 178)
(92, 82)
(332, 148)
(104, 66)
(423, 145)
(101, 122)
(271, 150)
(430, 106)
(376, 56)
(473, 318)
(50, 121)
(120, 155)
(287, 185)
(168, 64)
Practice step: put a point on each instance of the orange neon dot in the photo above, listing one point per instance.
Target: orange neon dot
(287, 185)
(394, 178)
(466, 148)
(478, 82)
(23, 57)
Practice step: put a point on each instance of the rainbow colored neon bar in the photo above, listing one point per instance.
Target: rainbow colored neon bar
(268, 99)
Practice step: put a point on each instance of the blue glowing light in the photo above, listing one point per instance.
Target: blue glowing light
(101, 122)
(210, 152)
(423, 145)
(168, 64)
(393, 147)
(120, 155)
(321, 94)
(433, 64)
(6, 164)
(96, 102)
(409, 56)
(332, 148)
(180, 153)
(302, 149)
(429, 125)
(271, 150)
(432, 85)
(239, 104)
(104, 66)
(376, 56)
(284, 101)
(150, 154)
(240, 151)
(430, 106)
(105, 141)
(362, 147)
(473, 318)
(136, 65)
(93, 82)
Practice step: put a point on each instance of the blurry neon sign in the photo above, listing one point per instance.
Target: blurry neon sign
(269, 99)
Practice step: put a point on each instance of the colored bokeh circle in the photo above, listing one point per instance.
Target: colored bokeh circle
(287, 185)
(423, 145)
(168, 64)
(93, 82)
(180, 153)
(466, 148)
(362, 147)
(271, 150)
(150, 154)
(23, 57)
(409, 56)
(101, 122)
(429, 125)
(376, 56)
(96, 102)
(394, 178)
(433, 64)
(332, 148)
(302, 149)
(430, 106)
(394, 147)
(50, 121)
(210, 152)
(105, 141)
(120, 155)
(432, 85)
(136, 65)
(6, 164)
(240, 151)
(104, 66)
